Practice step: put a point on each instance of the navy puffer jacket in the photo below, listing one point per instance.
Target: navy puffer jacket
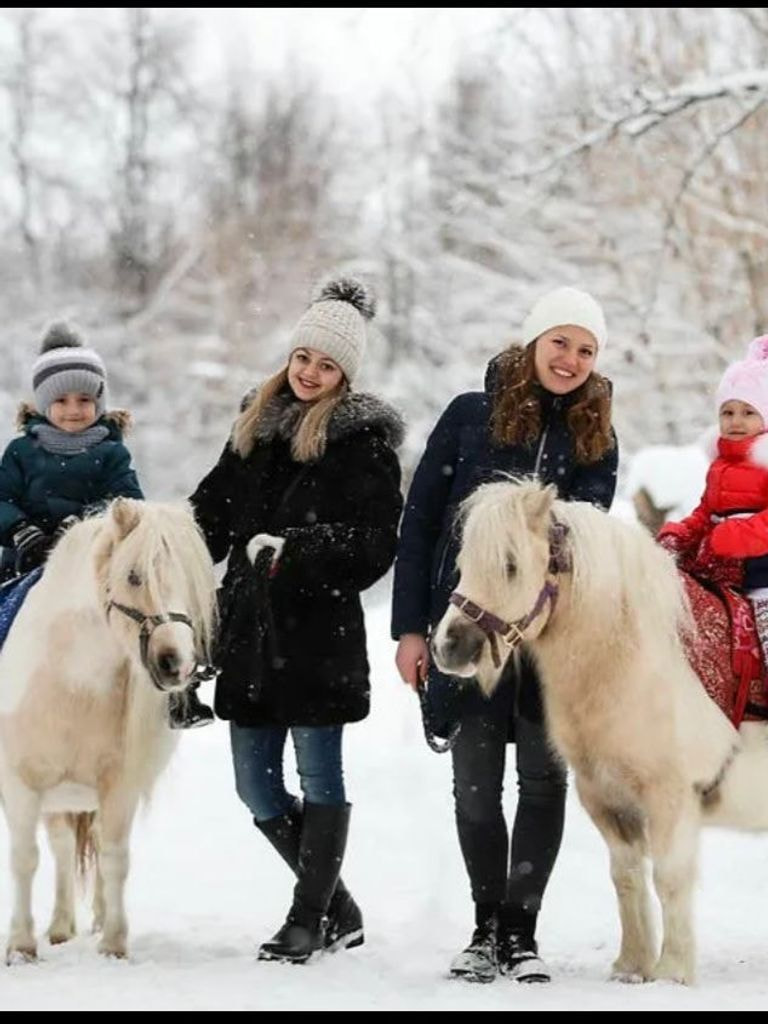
(460, 455)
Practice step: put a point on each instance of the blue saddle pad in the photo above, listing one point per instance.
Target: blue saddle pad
(12, 596)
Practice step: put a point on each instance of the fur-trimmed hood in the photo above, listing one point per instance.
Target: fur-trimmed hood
(117, 419)
(355, 412)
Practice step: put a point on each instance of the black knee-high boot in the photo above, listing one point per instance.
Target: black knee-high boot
(344, 924)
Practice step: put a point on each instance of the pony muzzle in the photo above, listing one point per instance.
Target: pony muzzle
(458, 646)
(166, 645)
(170, 665)
(168, 671)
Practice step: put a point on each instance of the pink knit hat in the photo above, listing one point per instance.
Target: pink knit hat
(747, 380)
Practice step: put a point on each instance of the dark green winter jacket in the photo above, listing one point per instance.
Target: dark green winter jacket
(43, 488)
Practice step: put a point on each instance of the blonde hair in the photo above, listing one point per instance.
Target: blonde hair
(310, 436)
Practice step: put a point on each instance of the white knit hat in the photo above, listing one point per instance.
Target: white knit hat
(65, 366)
(336, 323)
(562, 307)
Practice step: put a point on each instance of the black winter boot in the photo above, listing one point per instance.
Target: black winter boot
(185, 710)
(478, 961)
(516, 948)
(321, 851)
(344, 929)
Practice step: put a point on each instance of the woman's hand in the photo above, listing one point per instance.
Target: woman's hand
(412, 659)
(262, 541)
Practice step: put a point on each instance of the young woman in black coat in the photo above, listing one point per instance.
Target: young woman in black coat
(545, 412)
(305, 501)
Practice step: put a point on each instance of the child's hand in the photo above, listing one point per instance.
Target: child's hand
(31, 546)
(672, 544)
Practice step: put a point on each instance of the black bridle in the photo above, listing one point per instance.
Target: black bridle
(148, 624)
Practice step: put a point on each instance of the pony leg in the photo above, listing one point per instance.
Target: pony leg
(22, 809)
(674, 844)
(116, 811)
(61, 837)
(624, 834)
(637, 953)
(98, 907)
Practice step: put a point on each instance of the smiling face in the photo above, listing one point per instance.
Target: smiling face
(739, 419)
(312, 374)
(72, 412)
(564, 358)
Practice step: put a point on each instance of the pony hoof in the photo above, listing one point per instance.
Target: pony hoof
(113, 952)
(628, 977)
(20, 955)
(673, 969)
(673, 977)
(58, 937)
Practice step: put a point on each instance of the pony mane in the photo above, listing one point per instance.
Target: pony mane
(618, 568)
(165, 535)
(615, 566)
(164, 532)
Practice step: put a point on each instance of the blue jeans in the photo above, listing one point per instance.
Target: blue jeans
(257, 755)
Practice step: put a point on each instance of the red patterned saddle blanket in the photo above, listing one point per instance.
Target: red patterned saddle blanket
(725, 653)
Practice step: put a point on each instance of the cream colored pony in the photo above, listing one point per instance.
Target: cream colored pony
(602, 609)
(118, 620)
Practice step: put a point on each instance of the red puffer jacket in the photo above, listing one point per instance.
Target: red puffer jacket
(737, 482)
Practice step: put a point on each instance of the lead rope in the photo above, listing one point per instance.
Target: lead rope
(440, 746)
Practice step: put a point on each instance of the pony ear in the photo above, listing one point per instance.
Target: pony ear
(126, 514)
(538, 505)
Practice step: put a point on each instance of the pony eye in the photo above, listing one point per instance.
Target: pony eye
(134, 578)
(511, 568)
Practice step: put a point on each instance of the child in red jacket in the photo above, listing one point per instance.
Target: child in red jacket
(727, 533)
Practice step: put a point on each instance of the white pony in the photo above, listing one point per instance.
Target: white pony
(602, 609)
(118, 620)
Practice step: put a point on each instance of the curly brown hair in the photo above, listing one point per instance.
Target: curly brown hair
(516, 411)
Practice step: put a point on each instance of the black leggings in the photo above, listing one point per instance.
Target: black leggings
(479, 758)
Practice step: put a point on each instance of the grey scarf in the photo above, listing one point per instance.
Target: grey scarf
(62, 442)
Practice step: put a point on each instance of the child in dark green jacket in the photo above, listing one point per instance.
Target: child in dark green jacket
(69, 460)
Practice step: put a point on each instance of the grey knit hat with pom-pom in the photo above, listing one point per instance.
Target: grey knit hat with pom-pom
(336, 323)
(65, 365)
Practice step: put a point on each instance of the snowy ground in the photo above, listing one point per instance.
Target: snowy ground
(205, 888)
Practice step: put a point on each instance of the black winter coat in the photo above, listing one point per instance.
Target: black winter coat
(302, 629)
(460, 455)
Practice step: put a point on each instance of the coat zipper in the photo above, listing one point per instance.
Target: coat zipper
(543, 441)
(441, 564)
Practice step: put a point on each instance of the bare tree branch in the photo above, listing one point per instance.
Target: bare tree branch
(653, 108)
(694, 166)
